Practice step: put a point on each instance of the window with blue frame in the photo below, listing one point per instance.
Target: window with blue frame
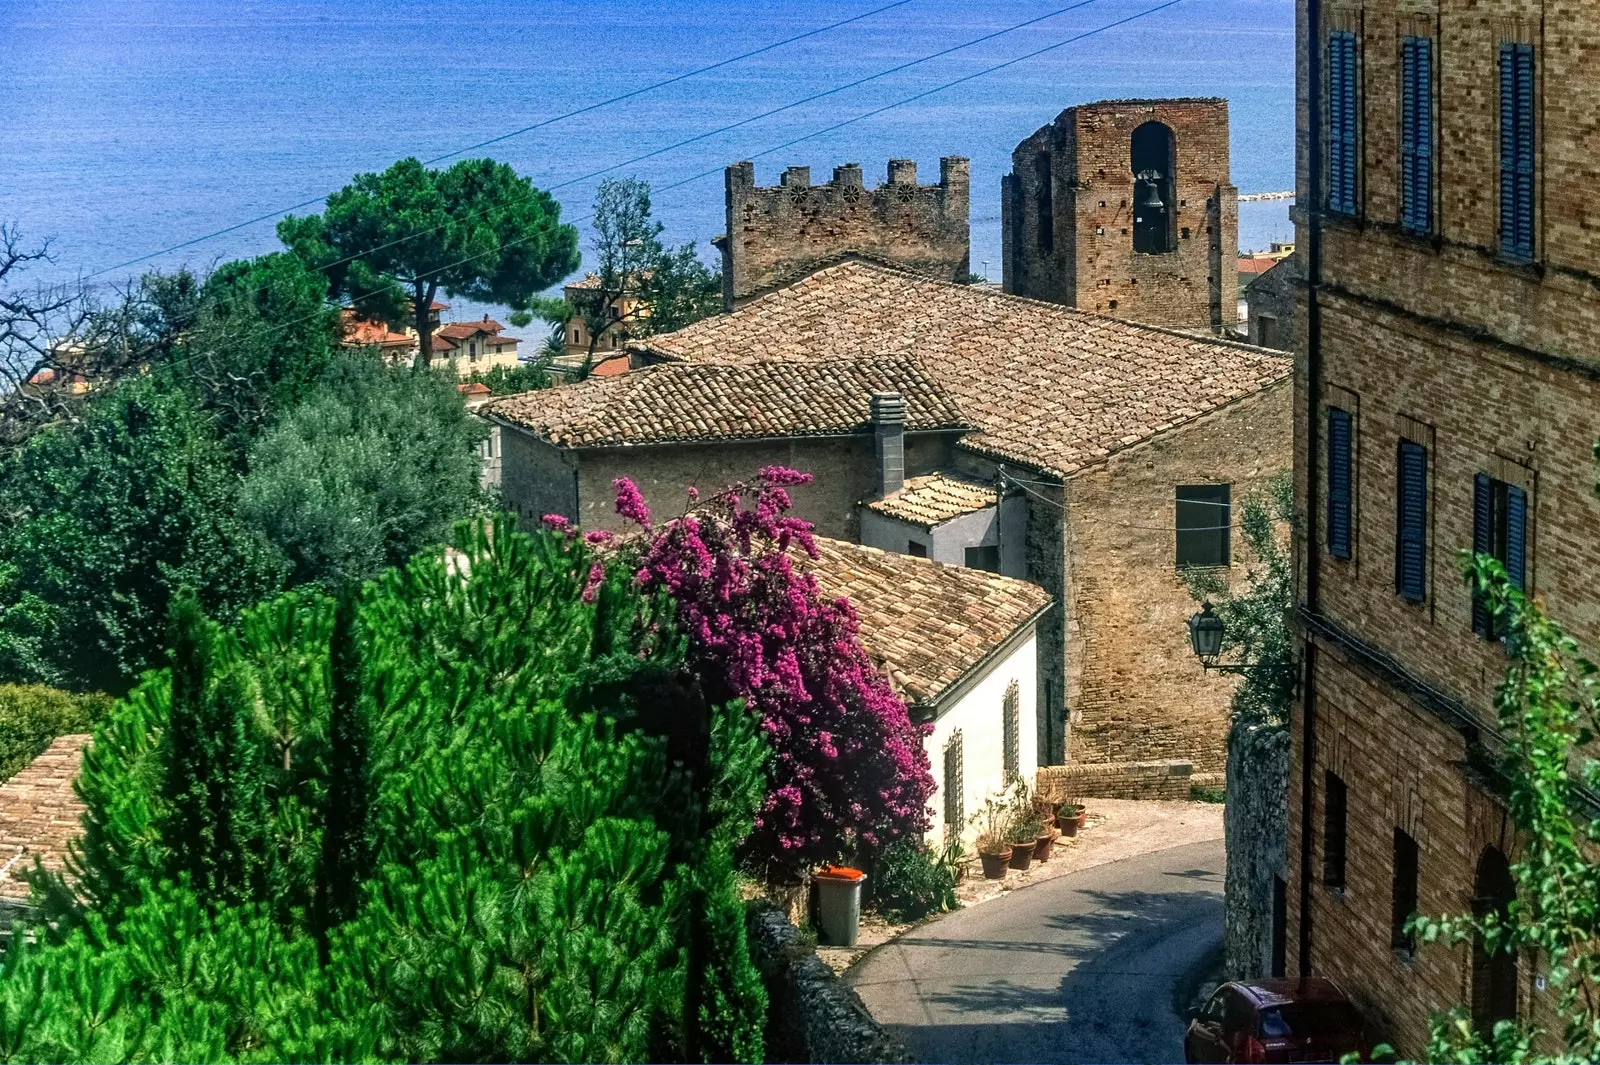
(1411, 522)
(1500, 530)
(1344, 149)
(1416, 134)
(1341, 475)
(1516, 151)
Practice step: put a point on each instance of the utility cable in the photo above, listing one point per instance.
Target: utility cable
(517, 132)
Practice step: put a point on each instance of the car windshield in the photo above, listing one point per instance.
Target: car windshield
(1311, 1020)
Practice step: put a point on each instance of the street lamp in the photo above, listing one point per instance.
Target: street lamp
(1205, 635)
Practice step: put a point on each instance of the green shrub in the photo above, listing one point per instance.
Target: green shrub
(31, 715)
(909, 882)
(1201, 793)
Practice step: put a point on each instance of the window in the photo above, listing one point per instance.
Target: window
(984, 558)
(472, 350)
(1011, 733)
(1499, 529)
(1204, 524)
(1044, 193)
(1516, 151)
(1344, 108)
(955, 787)
(1340, 477)
(1267, 331)
(919, 550)
(1416, 134)
(1411, 522)
(1405, 891)
(1334, 814)
(1152, 159)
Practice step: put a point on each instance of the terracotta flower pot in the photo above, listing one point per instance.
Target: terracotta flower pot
(1083, 816)
(994, 865)
(1022, 854)
(1043, 845)
(1069, 826)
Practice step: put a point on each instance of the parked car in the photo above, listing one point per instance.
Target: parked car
(1276, 1020)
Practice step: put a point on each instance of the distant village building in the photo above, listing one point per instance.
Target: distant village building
(1127, 208)
(1270, 305)
(960, 646)
(1084, 454)
(780, 233)
(469, 347)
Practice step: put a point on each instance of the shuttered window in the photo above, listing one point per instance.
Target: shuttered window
(1500, 530)
(1416, 134)
(1340, 478)
(955, 786)
(1334, 813)
(1516, 151)
(1011, 732)
(1344, 151)
(1204, 524)
(1406, 870)
(1411, 522)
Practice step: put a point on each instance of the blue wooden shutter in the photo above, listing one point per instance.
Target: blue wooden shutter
(1516, 560)
(1411, 521)
(1339, 482)
(1516, 150)
(1482, 543)
(1342, 122)
(1416, 134)
(1424, 168)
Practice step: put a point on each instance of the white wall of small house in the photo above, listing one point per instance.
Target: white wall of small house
(977, 713)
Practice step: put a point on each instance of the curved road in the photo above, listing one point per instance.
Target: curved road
(1080, 968)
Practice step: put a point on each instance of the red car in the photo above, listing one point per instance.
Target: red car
(1276, 1020)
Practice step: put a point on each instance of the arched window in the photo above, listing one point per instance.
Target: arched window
(1494, 976)
(1154, 162)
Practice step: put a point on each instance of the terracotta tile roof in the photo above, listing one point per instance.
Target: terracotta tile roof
(358, 332)
(1256, 264)
(1049, 386)
(463, 330)
(927, 623)
(681, 404)
(932, 500)
(39, 813)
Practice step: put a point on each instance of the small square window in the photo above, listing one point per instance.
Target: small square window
(1204, 524)
(984, 558)
(916, 549)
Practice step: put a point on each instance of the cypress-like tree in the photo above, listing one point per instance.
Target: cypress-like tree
(347, 827)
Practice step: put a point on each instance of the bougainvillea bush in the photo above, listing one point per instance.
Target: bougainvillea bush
(849, 773)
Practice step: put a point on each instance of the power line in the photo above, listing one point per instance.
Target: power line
(1115, 524)
(516, 132)
(797, 140)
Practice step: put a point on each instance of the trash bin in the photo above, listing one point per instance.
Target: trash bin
(839, 904)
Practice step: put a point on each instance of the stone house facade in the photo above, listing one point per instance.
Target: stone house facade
(960, 646)
(779, 233)
(1447, 397)
(1126, 207)
(1092, 445)
(1271, 302)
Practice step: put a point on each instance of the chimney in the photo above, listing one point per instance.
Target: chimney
(889, 432)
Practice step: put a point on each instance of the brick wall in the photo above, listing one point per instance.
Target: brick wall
(775, 234)
(1271, 301)
(39, 814)
(1495, 368)
(1169, 779)
(1138, 691)
(1068, 209)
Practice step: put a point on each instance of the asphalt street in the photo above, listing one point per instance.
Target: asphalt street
(1081, 968)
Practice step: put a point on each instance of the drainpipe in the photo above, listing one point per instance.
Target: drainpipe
(1312, 598)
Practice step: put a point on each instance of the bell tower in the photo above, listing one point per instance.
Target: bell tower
(1127, 208)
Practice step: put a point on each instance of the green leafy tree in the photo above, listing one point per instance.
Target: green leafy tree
(476, 230)
(106, 520)
(532, 862)
(509, 380)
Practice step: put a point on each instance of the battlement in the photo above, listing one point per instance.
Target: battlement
(778, 233)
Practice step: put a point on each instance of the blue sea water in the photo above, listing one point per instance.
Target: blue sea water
(132, 125)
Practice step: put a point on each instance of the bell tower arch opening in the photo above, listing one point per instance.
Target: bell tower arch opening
(1494, 975)
(1154, 159)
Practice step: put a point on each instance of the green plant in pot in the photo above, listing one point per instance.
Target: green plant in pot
(994, 846)
(1023, 837)
(1068, 818)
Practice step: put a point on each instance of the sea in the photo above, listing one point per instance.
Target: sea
(132, 126)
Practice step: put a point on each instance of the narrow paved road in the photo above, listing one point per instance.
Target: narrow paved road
(1082, 968)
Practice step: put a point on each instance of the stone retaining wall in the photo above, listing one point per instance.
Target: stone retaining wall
(811, 1015)
(1167, 779)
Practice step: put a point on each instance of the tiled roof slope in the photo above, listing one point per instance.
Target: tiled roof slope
(758, 400)
(39, 813)
(932, 500)
(928, 623)
(1046, 385)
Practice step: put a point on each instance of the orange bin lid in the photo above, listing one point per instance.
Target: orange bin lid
(840, 872)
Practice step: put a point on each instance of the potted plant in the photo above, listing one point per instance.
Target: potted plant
(994, 846)
(1045, 844)
(1067, 818)
(1045, 810)
(1024, 836)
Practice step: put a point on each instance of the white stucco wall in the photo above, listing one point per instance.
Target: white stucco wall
(977, 713)
(948, 542)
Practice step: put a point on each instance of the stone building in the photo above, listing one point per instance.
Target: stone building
(1448, 398)
(780, 233)
(1091, 456)
(1271, 302)
(961, 647)
(1126, 207)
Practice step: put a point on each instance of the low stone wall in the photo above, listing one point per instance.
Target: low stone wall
(811, 1015)
(1168, 779)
